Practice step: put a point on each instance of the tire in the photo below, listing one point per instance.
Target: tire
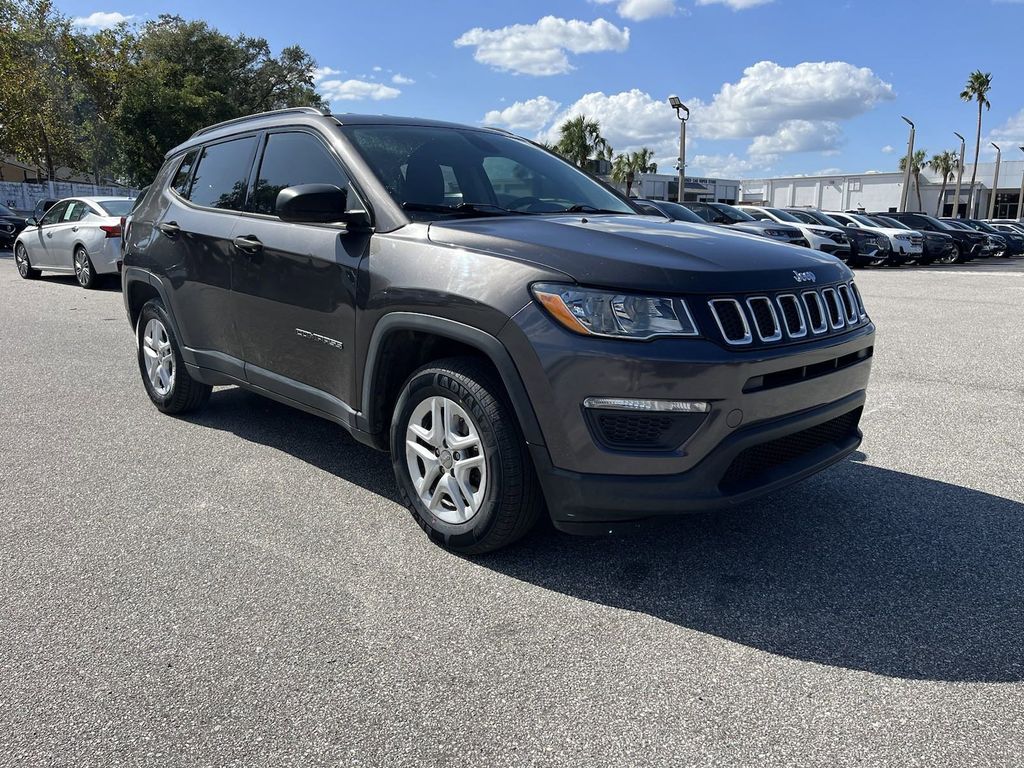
(85, 273)
(956, 257)
(495, 498)
(25, 268)
(164, 374)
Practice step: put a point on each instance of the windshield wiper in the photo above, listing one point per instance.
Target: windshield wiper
(470, 209)
(584, 208)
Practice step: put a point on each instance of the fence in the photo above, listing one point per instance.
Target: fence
(22, 196)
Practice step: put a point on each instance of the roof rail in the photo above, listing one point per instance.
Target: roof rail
(244, 118)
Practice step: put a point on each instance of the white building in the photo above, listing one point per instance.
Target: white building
(663, 186)
(882, 191)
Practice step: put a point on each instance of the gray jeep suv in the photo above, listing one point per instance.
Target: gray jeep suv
(518, 335)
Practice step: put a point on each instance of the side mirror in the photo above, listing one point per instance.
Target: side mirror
(31, 222)
(319, 204)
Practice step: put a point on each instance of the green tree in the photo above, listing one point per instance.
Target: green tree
(944, 164)
(978, 85)
(917, 163)
(626, 167)
(580, 140)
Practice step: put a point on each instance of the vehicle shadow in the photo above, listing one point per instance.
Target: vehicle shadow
(860, 568)
(108, 283)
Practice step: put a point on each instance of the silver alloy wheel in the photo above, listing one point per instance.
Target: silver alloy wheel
(446, 459)
(21, 259)
(82, 266)
(159, 357)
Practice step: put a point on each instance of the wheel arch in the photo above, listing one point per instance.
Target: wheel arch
(403, 341)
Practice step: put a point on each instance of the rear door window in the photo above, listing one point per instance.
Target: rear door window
(291, 159)
(222, 175)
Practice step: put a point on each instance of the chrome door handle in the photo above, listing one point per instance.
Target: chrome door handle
(74, 229)
(248, 244)
(49, 234)
(169, 228)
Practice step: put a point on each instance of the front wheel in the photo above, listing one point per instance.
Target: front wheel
(164, 374)
(460, 459)
(25, 268)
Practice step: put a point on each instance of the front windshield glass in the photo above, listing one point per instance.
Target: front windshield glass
(733, 214)
(884, 221)
(981, 226)
(432, 171)
(5, 211)
(825, 219)
(680, 212)
(783, 215)
(862, 220)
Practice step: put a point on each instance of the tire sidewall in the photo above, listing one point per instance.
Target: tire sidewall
(419, 387)
(153, 309)
(21, 257)
(87, 263)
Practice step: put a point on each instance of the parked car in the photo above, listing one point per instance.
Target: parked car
(988, 245)
(1012, 243)
(903, 246)
(968, 243)
(671, 211)
(938, 246)
(827, 239)
(539, 343)
(1011, 228)
(11, 225)
(79, 236)
(730, 216)
(41, 207)
(867, 249)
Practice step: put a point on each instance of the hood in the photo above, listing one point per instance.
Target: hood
(761, 226)
(644, 254)
(18, 220)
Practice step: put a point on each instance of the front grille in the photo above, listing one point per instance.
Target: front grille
(752, 466)
(769, 319)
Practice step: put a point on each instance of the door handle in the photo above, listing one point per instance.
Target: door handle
(49, 234)
(248, 244)
(169, 228)
(74, 229)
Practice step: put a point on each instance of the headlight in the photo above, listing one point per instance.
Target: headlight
(820, 232)
(776, 233)
(619, 315)
(903, 237)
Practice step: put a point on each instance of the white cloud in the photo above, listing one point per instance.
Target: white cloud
(629, 120)
(799, 136)
(400, 79)
(888, 149)
(100, 20)
(356, 90)
(726, 166)
(768, 95)
(530, 115)
(542, 48)
(319, 73)
(378, 69)
(641, 10)
(1010, 132)
(736, 5)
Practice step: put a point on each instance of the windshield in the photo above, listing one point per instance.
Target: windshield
(981, 226)
(5, 211)
(433, 171)
(783, 215)
(862, 220)
(884, 221)
(679, 212)
(955, 225)
(116, 207)
(733, 214)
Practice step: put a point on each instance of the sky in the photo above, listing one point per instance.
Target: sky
(775, 87)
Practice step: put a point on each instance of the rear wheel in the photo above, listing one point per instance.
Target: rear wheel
(25, 268)
(84, 271)
(460, 459)
(164, 374)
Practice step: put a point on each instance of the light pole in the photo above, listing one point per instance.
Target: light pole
(995, 182)
(1020, 200)
(683, 113)
(906, 171)
(959, 177)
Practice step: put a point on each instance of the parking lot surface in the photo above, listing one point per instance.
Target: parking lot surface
(241, 587)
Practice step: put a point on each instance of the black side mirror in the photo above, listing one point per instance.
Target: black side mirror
(319, 204)
(31, 222)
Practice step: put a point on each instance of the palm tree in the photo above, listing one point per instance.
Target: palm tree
(977, 88)
(917, 162)
(943, 164)
(626, 167)
(580, 140)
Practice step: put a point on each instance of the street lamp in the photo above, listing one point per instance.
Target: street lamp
(959, 177)
(906, 171)
(1020, 199)
(683, 113)
(995, 182)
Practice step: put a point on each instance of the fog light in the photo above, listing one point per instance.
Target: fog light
(631, 404)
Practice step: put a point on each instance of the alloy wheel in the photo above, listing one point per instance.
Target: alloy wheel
(82, 267)
(21, 259)
(446, 459)
(159, 357)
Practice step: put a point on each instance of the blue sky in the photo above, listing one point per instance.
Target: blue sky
(775, 86)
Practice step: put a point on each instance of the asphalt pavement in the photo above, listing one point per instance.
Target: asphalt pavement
(241, 587)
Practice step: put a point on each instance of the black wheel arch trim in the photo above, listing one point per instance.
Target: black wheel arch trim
(134, 275)
(489, 345)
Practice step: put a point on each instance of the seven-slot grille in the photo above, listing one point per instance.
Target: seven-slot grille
(788, 316)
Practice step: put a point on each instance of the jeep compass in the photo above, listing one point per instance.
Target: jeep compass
(519, 337)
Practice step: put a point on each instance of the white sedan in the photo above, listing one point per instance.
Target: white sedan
(79, 236)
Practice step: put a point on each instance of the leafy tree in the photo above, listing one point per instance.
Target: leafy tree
(580, 140)
(944, 164)
(917, 163)
(978, 85)
(626, 167)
